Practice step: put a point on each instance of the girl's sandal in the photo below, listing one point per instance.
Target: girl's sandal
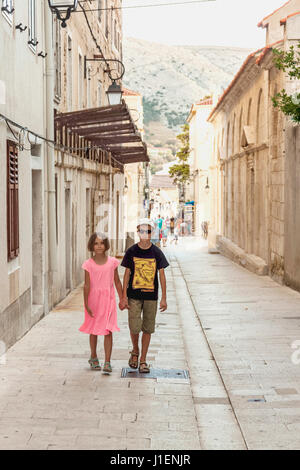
(94, 363)
(107, 367)
(133, 364)
(145, 369)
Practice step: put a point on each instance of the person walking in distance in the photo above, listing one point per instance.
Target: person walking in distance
(176, 234)
(143, 261)
(101, 274)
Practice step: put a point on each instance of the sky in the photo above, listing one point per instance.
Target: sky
(211, 23)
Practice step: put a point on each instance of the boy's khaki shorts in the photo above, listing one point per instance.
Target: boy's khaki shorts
(136, 322)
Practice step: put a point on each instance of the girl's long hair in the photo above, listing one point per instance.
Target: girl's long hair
(100, 235)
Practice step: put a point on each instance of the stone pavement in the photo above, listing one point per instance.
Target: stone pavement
(250, 323)
(231, 329)
(50, 399)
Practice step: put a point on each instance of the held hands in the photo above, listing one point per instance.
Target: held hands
(123, 304)
(163, 304)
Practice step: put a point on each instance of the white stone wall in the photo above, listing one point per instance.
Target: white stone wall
(274, 30)
(22, 288)
(200, 145)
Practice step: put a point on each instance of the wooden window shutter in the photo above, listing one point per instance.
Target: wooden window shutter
(12, 201)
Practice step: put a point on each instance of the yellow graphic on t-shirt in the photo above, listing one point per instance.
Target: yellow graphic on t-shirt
(144, 273)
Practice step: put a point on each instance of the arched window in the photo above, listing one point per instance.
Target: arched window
(259, 118)
(222, 140)
(227, 140)
(274, 137)
(233, 137)
(240, 129)
(249, 113)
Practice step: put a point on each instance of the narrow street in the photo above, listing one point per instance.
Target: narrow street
(231, 329)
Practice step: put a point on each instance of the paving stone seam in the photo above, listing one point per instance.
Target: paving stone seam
(211, 352)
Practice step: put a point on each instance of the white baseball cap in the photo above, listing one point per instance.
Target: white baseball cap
(146, 221)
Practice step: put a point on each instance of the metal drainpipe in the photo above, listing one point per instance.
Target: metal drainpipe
(49, 115)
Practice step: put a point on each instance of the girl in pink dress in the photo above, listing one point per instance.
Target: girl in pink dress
(101, 273)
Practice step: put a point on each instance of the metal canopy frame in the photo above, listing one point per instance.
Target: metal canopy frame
(110, 127)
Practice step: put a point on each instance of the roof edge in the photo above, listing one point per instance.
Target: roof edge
(261, 23)
(258, 60)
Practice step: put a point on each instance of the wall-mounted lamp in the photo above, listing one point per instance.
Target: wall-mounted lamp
(114, 94)
(63, 7)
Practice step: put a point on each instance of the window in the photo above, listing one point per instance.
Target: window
(100, 2)
(80, 80)
(88, 92)
(56, 206)
(115, 35)
(69, 75)
(12, 201)
(57, 57)
(32, 25)
(7, 7)
(112, 27)
(106, 19)
(99, 93)
(249, 113)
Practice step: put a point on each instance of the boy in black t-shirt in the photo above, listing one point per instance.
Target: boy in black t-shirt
(143, 261)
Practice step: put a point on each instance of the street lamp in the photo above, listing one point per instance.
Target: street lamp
(63, 7)
(114, 94)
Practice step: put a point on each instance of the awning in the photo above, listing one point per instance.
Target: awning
(109, 127)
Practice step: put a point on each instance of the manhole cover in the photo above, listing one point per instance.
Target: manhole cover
(155, 373)
(257, 400)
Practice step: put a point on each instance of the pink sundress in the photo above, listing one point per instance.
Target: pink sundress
(102, 298)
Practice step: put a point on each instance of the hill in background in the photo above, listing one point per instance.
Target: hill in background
(172, 78)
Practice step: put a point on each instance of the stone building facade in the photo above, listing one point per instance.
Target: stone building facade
(200, 148)
(89, 191)
(59, 181)
(24, 188)
(134, 181)
(253, 160)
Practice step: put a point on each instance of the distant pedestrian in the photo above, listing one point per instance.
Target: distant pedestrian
(159, 221)
(176, 234)
(183, 228)
(143, 262)
(101, 274)
(172, 225)
(155, 235)
(165, 233)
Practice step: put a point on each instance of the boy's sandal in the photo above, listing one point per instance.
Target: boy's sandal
(107, 367)
(94, 363)
(145, 369)
(131, 363)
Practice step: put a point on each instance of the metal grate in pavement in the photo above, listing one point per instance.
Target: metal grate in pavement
(257, 400)
(239, 301)
(155, 373)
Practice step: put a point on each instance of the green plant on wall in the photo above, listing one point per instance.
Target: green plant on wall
(180, 172)
(288, 61)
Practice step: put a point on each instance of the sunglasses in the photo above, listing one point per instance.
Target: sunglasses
(144, 231)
